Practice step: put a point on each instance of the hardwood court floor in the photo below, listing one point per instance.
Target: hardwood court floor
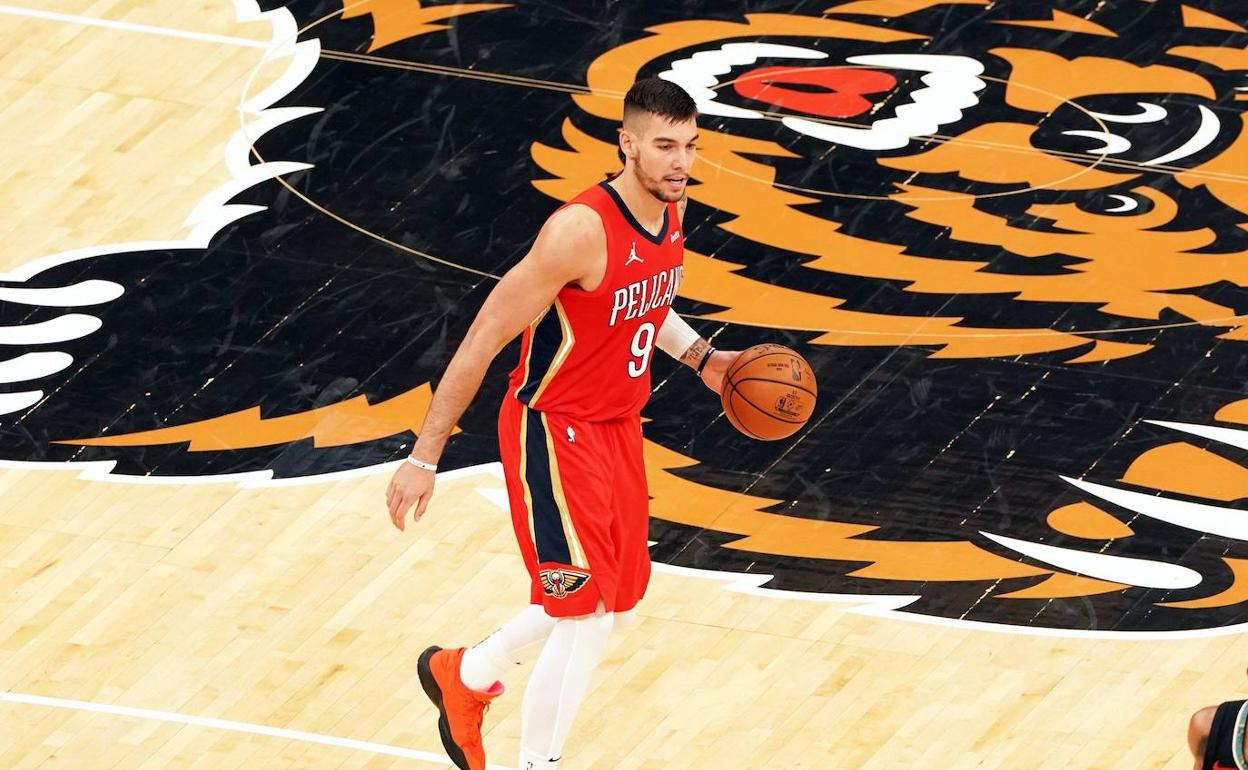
(298, 606)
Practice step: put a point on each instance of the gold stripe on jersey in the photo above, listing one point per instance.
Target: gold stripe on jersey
(528, 356)
(524, 472)
(556, 484)
(565, 347)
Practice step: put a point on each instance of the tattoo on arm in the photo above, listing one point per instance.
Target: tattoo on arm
(696, 352)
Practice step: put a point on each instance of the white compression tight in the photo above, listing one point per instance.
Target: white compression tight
(512, 644)
(558, 685)
(573, 647)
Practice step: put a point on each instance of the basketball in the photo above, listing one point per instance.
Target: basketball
(769, 392)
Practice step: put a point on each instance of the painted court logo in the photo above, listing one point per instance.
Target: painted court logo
(1024, 520)
(1015, 258)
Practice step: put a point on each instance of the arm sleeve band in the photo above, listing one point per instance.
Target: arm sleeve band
(675, 336)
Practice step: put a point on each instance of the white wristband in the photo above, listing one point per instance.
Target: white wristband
(675, 335)
(422, 465)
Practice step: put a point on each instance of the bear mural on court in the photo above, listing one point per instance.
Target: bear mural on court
(1011, 242)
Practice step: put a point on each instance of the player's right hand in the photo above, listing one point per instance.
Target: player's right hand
(717, 368)
(409, 486)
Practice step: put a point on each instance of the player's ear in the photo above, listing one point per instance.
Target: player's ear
(628, 145)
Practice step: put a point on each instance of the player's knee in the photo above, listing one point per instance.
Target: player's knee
(595, 628)
(601, 624)
(1202, 721)
(1198, 728)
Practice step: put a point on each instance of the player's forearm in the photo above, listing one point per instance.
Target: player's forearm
(459, 385)
(696, 353)
(678, 339)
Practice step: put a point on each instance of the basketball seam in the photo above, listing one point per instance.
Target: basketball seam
(777, 382)
(765, 413)
(727, 409)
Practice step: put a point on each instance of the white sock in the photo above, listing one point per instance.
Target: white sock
(485, 663)
(558, 685)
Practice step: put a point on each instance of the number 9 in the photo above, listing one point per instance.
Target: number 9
(643, 346)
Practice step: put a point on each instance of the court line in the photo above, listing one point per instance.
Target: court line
(147, 29)
(226, 724)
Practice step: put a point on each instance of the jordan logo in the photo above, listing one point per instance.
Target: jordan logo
(675, 235)
(632, 256)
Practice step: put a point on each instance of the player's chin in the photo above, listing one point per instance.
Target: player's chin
(672, 189)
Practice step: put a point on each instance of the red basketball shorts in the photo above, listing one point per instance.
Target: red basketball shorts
(580, 508)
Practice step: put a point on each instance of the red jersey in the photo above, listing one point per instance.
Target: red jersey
(588, 354)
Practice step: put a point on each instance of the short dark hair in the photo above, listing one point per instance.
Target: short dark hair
(662, 98)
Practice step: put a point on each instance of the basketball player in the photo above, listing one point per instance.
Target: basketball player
(1215, 735)
(592, 298)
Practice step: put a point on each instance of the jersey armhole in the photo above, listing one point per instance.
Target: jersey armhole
(608, 269)
(1237, 737)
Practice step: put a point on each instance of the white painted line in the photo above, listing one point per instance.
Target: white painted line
(70, 326)
(1237, 438)
(147, 29)
(1199, 517)
(33, 366)
(16, 402)
(91, 292)
(225, 724)
(1103, 566)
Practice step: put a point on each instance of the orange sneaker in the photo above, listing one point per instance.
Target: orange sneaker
(460, 709)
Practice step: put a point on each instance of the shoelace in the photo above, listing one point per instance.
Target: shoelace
(475, 709)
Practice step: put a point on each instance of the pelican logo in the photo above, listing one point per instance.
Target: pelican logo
(1017, 270)
(561, 582)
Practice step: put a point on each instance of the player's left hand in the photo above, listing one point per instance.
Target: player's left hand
(409, 486)
(715, 370)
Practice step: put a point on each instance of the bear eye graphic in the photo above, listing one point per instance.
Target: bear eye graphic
(1135, 134)
(1206, 131)
(1150, 113)
(1113, 144)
